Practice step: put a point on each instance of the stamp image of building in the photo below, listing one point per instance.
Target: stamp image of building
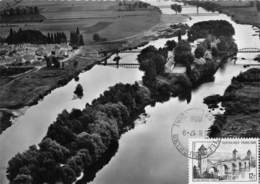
(221, 168)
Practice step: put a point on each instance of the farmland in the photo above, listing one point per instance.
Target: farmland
(100, 17)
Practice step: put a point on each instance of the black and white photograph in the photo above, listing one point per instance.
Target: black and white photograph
(117, 91)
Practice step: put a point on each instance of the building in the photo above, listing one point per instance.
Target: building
(220, 167)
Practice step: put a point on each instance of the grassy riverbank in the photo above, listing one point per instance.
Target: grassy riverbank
(241, 102)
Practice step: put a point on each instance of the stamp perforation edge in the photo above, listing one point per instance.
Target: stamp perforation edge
(215, 181)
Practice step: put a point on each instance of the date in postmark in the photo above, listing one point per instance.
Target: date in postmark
(192, 123)
(235, 161)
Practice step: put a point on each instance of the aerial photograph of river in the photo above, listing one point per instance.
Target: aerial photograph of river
(97, 91)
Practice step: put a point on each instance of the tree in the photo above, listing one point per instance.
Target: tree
(79, 91)
(177, 8)
(81, 40)
(214, 27)
(182, 50)
(49, 38)
(58, 151)
(11, 32)
(60, 133)
(20, 161)
(199, 52)
(17, 11)
(76, 163)
(11, 11)
(76, 39)
(68, 174)
(31, 10)
(170, 45)
(22, 179)
(77, 31)
(36, 10)
(96, 37)
(152, 62)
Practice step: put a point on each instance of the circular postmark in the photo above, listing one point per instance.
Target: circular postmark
(193, 124)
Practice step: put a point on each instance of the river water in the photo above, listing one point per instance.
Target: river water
(146, 154)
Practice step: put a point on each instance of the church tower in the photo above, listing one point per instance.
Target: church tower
(235, 154)
(249, 156)
(202, 162)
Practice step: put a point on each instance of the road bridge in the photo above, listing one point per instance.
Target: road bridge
(249, 50)
(123, 65)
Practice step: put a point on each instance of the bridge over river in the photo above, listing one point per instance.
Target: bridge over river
(242, 50)
(123, 65)
(249, 50)
(136, 65)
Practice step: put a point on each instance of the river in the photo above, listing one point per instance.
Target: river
(145, 154)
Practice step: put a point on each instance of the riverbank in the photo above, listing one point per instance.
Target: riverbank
(241, 102)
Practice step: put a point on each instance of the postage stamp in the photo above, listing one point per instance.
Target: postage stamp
(192, 123)
(234, 161)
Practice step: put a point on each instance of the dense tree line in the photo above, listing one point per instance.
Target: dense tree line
(58, 37)
(214, 27)
(125, 5)
(34, 37)
(26, 36)
(28, 10)
(2, 40)
(77, 140)
(152, 61)
(257, 5)
(137, 5)
(76, 39)
(212, 6)
(98, 38)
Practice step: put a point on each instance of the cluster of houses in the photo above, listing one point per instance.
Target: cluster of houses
(29, 54)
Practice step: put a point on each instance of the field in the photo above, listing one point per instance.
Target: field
(91, 17)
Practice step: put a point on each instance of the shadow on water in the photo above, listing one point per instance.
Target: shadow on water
(5, 120)
(186, 95)
(93, 169)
